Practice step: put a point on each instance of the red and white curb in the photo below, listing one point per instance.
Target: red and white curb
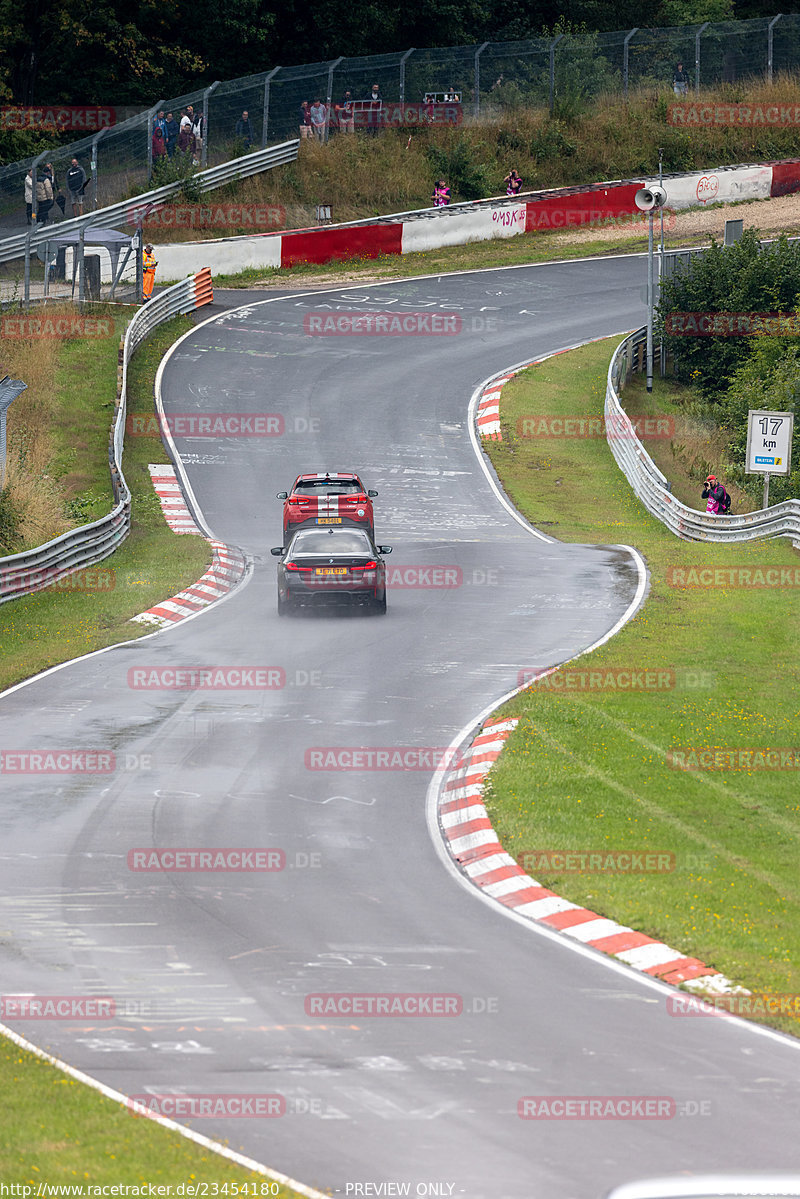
(487, 417)
(473, 845)
(227, 568)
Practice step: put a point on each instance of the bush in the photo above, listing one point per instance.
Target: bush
(739, 278)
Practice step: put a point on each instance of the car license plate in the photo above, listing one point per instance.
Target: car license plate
(331, 570)
(329, 520)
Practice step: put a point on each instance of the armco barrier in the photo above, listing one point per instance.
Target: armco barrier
(107, 218)
(21, 574)
(479, 220)
(652, 487)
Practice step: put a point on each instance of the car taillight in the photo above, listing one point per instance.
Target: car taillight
(365, 566)
(301, 502)
(294, 566)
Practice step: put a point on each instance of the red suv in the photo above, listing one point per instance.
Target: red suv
(334, 499)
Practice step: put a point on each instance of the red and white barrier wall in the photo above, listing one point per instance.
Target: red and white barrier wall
(464, 223)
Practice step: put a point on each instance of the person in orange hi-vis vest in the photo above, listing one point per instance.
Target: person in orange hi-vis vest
(149, 265)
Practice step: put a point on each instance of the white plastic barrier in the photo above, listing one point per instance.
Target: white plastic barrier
(458, 228)
(225, 256)
(723, 186)
(176, 260)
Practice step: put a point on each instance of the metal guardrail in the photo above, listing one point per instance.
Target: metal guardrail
(21, 244)
(32, 570)
(652, 487)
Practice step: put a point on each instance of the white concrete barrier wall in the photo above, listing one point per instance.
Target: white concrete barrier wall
(724, 186)
(177, 260)
(457, 229)
(226, 256)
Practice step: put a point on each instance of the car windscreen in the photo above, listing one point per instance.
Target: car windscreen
(342, 541)
(327, 487)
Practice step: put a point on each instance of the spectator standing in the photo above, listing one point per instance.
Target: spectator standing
(513, 182)
(197, 133)
(347, 114)
(76, 181)
(680, 81)
(161, 123)
(187, 117)
(441, 194)
(171, 131)
(44, 198)
(305, 119)
(375, 101)
(29, 198)
(159, 145)
(185, 140)
(244, 130)
(319, 119)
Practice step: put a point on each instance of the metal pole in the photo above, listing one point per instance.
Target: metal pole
(770, 27)
(26, 288)
(477, 79)
(697, 55)
(93, 164)
(139, 263)
(553, 45)
(650, 303)
(766, 492)
(403, 74)
(204, 150)
(265, 118)
(331, 69)
(152, 113)
(81, 265)
(625, 45)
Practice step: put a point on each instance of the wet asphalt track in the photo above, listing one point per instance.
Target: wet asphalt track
(211, 971)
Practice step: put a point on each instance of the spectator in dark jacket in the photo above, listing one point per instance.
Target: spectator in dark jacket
(172, 131)
(244, 130)
(76, 182)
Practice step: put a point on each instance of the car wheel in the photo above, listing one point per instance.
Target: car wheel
(380, 606)
(284, 605)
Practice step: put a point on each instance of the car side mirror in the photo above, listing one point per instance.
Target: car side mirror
(282, 495)
(384, 549)
(276, 551)
(372, 493)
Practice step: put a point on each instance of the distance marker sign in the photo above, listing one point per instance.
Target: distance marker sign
(769, 442)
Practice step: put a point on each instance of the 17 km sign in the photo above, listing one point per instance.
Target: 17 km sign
(769, 442)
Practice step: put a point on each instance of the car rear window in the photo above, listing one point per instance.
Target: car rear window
(327, 487)
(310, 541)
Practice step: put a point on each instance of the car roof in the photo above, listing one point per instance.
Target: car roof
(710, 1186)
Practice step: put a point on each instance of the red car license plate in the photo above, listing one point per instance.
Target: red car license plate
(329, 520)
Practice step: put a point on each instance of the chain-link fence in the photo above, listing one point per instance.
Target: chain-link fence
(555, 73)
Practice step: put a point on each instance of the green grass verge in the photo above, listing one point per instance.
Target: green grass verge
(57, 1130)
(590, 770)
(54, 626)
